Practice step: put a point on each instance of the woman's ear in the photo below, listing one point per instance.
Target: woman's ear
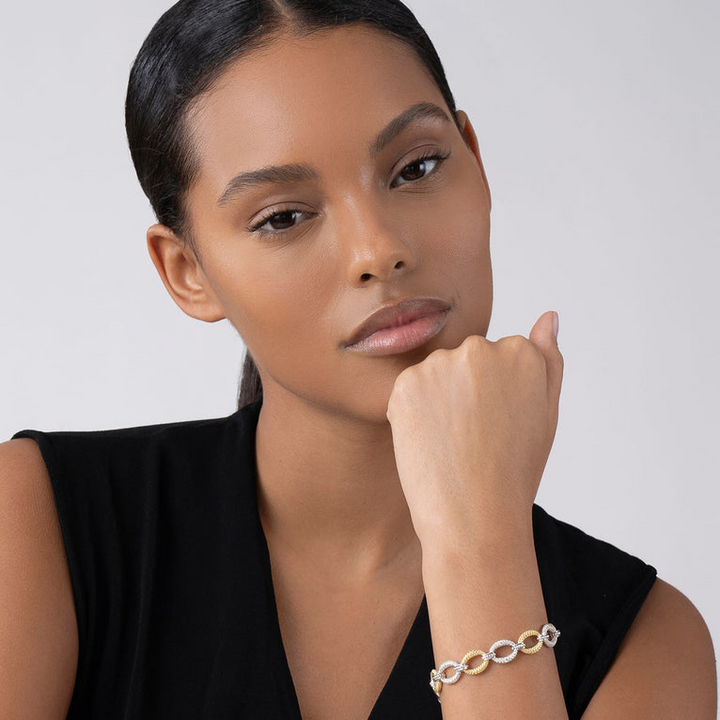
(468, 134)
(183, 276)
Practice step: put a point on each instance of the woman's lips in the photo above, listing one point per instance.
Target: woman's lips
(400, 327)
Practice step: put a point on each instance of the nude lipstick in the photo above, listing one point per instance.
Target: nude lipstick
(399, 328)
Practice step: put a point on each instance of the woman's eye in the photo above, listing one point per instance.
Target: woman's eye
(417, 170)
(279, 221)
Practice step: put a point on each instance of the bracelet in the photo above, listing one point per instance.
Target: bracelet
(548, 636)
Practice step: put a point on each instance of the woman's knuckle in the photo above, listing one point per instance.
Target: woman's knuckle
(513, 343)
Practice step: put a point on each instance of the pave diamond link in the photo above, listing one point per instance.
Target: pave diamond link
(550, 635)
(538, 643)
(481, 667)
(440, 674)
(507, 658)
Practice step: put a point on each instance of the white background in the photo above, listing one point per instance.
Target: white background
(598, 122)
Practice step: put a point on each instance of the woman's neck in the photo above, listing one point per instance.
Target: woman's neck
(329, 488)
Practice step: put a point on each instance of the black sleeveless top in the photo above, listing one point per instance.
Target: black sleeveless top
(173, 588)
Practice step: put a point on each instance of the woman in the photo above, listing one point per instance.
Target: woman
(369, 517)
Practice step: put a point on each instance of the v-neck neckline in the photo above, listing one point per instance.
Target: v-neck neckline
(416, 647)
(417, 637)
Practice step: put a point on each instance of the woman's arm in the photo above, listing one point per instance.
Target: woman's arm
(38, 629)
(472, 430)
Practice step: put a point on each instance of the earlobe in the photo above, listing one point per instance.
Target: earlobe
(182, 274)
(468, 134)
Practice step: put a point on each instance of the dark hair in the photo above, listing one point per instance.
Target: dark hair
(189, 48)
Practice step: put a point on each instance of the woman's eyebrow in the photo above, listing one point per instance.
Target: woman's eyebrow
(417, 112)
(291, 173)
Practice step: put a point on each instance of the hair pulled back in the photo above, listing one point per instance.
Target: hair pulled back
(189, 48)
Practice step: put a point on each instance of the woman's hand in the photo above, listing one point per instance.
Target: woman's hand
(472, 429)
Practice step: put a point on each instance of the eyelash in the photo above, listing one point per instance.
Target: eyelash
(439, 157)
(257, 227)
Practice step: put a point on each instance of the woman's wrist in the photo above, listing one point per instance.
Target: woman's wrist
(490, 539)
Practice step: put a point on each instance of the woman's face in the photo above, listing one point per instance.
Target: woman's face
(333, 183)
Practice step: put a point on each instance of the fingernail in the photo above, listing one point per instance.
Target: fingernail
(556, 324)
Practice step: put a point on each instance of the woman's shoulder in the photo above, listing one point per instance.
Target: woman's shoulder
(623, 628)
(665, 666)
(112, 489)
(168, 433)
(38, 631)
(77, 509)
(139, 456)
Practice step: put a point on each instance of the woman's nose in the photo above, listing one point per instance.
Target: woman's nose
(374, 251)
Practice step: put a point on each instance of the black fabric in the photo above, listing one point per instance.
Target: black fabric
(173, 587)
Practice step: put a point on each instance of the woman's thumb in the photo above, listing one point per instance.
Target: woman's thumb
(544, 337)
